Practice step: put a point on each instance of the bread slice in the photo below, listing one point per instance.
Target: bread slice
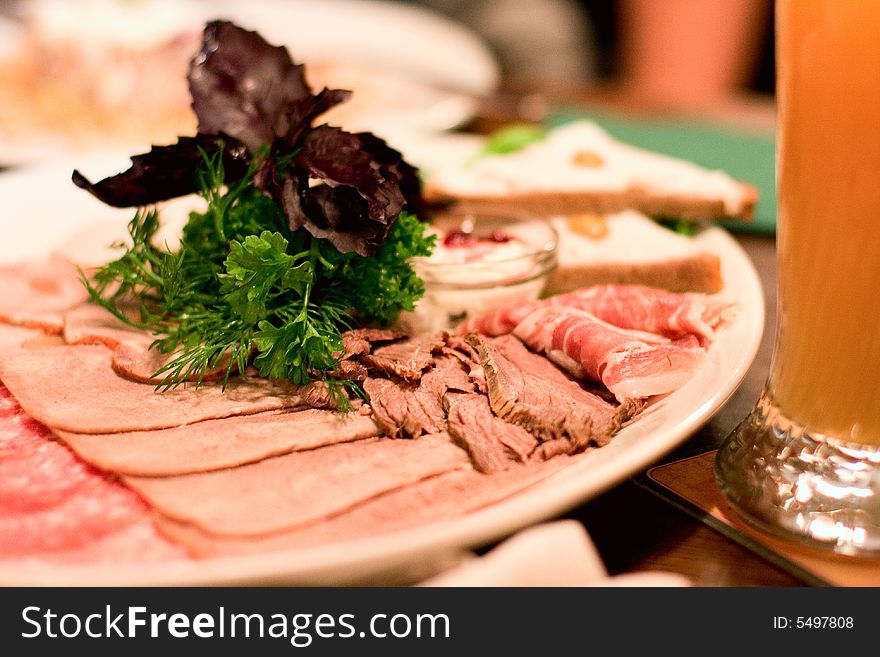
(580, 168)
(629, 248)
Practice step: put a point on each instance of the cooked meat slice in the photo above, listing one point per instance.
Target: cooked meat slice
(407, 359)
(492, 443)
(216, 444)
(433, 500)
(13, 337)
(547, 450)
(459, 348)
(89, 323)
(448, 373)
(74, 388)
(527, 389)
(631, 364)
(38, 294)
(286, 491)
(358, 342)
(350, 370)
(404, 410)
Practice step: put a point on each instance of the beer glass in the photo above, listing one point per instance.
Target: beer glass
(806, 462)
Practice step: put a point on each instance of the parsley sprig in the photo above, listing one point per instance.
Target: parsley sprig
(243, 288)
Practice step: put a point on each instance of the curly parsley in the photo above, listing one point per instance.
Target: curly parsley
(244, 289)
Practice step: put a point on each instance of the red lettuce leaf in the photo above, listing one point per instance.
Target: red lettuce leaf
(165, 172)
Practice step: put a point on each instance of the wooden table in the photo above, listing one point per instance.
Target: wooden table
(635, 530)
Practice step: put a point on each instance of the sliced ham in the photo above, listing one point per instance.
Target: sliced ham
(74, 388)
(530, 391)
(637, 307)
(216, 444)
(631, 364)
(37, 295)
(433, 500)
(285, 491)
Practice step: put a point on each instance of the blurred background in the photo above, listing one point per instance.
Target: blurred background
(92, 74)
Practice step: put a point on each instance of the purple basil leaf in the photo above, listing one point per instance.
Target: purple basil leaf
(359, 193)
(336, 157)
(337, 214)
(165, 172)
(303, 112)
(251, 90)
(407, 175)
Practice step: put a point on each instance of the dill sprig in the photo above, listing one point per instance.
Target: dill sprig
(243, 289)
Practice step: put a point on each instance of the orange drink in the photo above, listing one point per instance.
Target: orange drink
(826, 370)
(805, 464)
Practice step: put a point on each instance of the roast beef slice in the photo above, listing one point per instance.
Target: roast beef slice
(442, 498)
(493, 443)
(216, 444)
(74, 388)
(407, 359)
(447, 373)
(290, 490)
(405, 410)
(527, 389)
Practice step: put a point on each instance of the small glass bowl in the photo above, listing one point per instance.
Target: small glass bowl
(467, 279)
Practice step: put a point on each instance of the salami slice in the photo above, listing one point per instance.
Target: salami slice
(81, 518)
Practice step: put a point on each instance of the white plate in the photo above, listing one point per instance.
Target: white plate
(40, 208)
(411, 68)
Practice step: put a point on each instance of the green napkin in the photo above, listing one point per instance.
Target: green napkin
(744, 155)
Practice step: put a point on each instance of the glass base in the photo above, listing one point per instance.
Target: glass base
(802, 485)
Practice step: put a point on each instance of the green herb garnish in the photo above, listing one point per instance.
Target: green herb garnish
(683, 227)
(512, 138)
(305, 232)
(243, 287)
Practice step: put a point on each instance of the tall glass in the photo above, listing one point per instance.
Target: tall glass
(806, 462)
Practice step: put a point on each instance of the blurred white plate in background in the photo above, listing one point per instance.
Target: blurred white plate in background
(412, 70)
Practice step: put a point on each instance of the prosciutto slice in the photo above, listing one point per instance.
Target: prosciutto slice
(672, 315)
(631, 364)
